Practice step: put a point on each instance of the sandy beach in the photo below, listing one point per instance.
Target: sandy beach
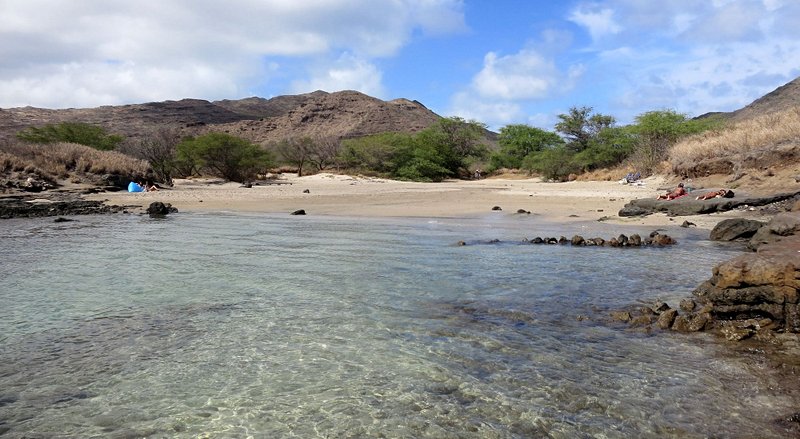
(330, 194)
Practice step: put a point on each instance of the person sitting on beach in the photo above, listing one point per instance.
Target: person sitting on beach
(673, 194)
(722, 193)
(150, 188)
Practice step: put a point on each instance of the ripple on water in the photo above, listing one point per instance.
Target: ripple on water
(259, 325)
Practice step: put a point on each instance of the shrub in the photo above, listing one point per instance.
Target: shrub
(553, 163)
(72, 132)
(227, 156)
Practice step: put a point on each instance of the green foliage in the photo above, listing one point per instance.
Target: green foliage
(553, 163)
(519, 141)
(72, 132)
(456, 142)
(580, 127)
(657, 131)
(438, 152)
(227, 156)
(609, 147)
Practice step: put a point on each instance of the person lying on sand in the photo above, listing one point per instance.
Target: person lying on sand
(722, 193)
(673, 194)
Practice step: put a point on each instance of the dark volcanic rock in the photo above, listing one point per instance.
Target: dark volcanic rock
(298, 212)
(27, 207)
(689, 206)
(735, 228)
(157, 208)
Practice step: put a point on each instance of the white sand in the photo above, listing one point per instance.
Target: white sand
(330, 194)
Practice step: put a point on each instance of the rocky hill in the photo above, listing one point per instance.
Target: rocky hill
(341, 114)
(782, 98)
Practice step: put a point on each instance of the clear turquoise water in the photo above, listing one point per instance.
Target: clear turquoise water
(270, 326)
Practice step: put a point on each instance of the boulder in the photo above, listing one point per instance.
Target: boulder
(692, 322)
(298, 212)
(783, 224)
(577, 240)
(157, 208)
(735, 228)
(666, 318)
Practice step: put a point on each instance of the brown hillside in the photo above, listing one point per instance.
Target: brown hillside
(781, 99)
(341, 114)
(344, 114)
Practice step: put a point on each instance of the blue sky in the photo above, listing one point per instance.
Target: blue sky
(495, 61)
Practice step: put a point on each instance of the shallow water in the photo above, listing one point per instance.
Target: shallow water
(269, 326)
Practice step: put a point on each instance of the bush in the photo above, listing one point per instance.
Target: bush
(72, 132)
(553, 164)
(519, 141)
(227, 156)
(657, 131)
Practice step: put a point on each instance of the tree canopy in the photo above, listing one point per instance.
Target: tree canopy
(221, 154)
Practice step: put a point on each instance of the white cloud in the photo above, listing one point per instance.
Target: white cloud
(493, 113)
(524, 75)
(598, 21)
(202, 48)
(347, 73)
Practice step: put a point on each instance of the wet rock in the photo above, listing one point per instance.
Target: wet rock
(61, 219)
(622, 316)
(551, 241)
(598, 241)
(642, 320)
(622, 240)
(306, 191)
(735, 228)
(497, 208)
(666, 318)
(523, 211)
(735, 333)
(461, 243)
(635, 240)
(537, 240)
(613, 242)
(577, 240)
(298, 212)
(663, 240)
(157, 208)
(691, 322)
(687, 224)
(687, 305)
(563, 240)
(660, 307)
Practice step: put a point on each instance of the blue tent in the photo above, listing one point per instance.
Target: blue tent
(135, 187)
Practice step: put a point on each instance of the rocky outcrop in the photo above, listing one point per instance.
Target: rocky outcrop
(689, 206)
(735, 228)
(781, 226)
(753, 294)
(29, 207)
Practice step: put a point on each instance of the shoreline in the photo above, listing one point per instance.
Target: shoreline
(340, 195)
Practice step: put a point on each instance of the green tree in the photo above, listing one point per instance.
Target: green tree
(610, 147)
(227, 156)
(552, 163)
(72, 132)
(456, 142)
(518, 141)
(657, 131)
(580, 127)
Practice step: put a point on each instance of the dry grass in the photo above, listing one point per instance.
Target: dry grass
(757, 136)
(60, 160)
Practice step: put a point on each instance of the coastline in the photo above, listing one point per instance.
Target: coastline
(341, 195)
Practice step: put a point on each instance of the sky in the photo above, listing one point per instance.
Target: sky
(499, 62)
